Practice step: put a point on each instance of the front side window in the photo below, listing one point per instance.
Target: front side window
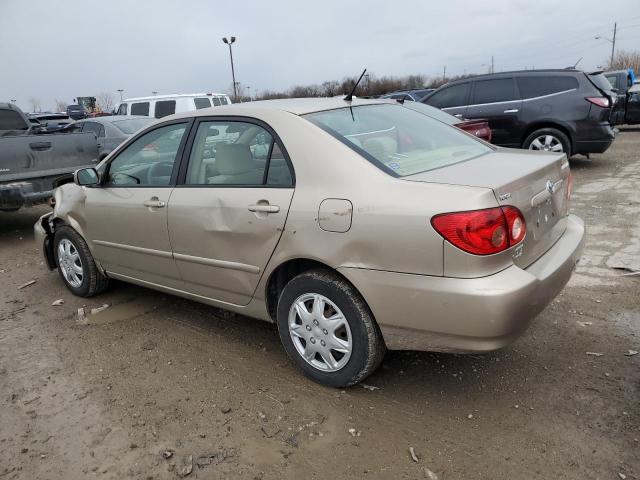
(449, 97)
(149, 160)
(122, 109)
(11, 120)
(140, 109)
(216, 101)
(164, 108)
(92, 127)
(235, 153)
(493, 91)
(399, 140)
(202, 103)
(224, 100)
(539, 86)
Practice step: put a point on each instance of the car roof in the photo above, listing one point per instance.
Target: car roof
(114, 118)
(176, 95)
(512, 72)
(297, 106)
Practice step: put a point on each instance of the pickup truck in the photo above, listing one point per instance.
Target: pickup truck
(626, 108)
(31, 160)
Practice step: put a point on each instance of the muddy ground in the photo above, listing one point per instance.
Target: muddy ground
(154, 374)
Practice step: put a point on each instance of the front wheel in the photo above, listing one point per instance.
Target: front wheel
(548, 140)
(75, 263)
(327, 329)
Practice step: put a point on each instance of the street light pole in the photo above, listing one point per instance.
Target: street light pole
(613, 42)
(233, 73)
(120, 90)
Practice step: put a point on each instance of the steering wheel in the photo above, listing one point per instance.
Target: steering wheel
(157, 171)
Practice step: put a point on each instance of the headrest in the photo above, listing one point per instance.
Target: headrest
(233, 159)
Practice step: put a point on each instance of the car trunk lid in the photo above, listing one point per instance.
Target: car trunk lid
(534, 182)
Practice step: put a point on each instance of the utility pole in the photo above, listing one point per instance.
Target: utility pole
(492, 70)
(613, 43)
(444, 73)
(233, 73)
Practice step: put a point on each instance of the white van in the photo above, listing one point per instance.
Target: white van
(162, 105)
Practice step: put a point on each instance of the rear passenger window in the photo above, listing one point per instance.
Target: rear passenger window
(164, 108)
(224, 101)
(216, 101)
(539, 85)
(449, 97)
(279, 173)
(202, 103)
(140, 109)
(492, 91)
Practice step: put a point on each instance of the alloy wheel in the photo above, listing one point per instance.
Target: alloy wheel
(320, 332)
(547, 143)
(70, 263)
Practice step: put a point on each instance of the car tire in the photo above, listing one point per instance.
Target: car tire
(76, 265)
(546, 139)
(350, 328)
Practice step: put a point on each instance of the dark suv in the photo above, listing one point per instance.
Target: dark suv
(557, 110)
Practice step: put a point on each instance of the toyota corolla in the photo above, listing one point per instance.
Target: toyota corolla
(356, 226)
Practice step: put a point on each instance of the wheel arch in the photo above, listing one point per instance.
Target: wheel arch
(548, 124)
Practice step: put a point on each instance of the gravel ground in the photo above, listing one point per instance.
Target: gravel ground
(155, 374)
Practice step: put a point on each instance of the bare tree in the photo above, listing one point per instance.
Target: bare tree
(624, 59)
(61, 106)
(105, 101)
(36, 106)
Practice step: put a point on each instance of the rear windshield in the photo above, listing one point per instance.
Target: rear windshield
(132, 125)
(600, 81)
(398, 140)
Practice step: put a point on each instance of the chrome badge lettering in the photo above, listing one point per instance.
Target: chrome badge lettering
(505, 196)
(518, 251)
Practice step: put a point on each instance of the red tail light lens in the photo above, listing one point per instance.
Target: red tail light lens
(599, 101)
(482, 232)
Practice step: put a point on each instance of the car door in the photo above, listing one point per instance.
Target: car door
(98, 130)
(126, 215)
(633, 106)
(227, 214)
(497, 101)
(453, 99)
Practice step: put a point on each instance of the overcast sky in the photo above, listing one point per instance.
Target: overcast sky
(62, 49)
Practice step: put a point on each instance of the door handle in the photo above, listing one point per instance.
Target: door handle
(264, 208)
(39, 146)
(512, 110)
(459, 115)
(153, 202)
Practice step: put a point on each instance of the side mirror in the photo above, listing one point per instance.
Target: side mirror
(86, 177)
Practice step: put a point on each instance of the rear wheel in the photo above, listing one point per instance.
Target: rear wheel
(75, 264)
(328, 330)
(548, 140)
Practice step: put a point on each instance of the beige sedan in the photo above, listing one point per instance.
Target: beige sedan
(355, 226)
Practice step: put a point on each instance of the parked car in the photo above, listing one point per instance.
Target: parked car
(30, 161)
(557, 110)
(403, 233)
(478, 127)
(414, 95)
(77, 112)
(50, 122)
(110, 131)
(625, 109)
(159, 106)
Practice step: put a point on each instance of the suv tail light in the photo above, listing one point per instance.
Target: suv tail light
(482, 232)
(599, 101)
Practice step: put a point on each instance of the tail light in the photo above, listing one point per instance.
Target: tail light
(599, 101)
(482, 232)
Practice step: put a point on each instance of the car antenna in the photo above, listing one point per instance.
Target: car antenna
(349, 97)
(575, 65)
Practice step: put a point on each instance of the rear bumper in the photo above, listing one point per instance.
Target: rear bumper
(43, 236)
(21, 194)
(417, 312)
(598, 141)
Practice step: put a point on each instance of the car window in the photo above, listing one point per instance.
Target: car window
(149, 160)
(11, 120)
(398, 140)
(224, 100)
(164, 108)
(613, 80)
(494, 90)
(74, 127)
(216, 101)
(538, 85)
(448, 97)
(202, 103)
(132, 125)
(92, 127)
(279, 172)
(140, 108)
(233, 153)
(122, 109)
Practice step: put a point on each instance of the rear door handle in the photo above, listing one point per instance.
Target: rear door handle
(512, 110)
(153, 202)
(39, 146)
(264, 208)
